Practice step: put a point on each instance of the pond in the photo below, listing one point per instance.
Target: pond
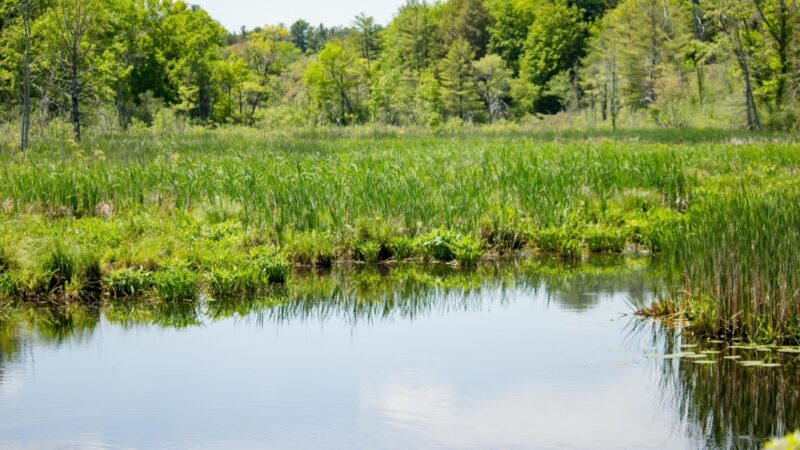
(515, 355)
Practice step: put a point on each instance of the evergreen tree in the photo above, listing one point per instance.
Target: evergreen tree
(468, 20)
(459, 82)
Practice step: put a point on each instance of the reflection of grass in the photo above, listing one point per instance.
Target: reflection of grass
(360, 293)
(728, 404)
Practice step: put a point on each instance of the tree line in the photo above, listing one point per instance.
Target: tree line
(124, 61)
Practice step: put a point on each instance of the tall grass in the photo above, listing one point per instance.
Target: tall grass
(725, 208)
(739, 260)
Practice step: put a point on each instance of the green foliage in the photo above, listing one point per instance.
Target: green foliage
(269, 265)
(789, 442)
(311, 248)
(555, 42)
(604, 239)
(558, 240)
(128, 282)
(337, 85)
(467, 20)
(175, 284)
(494, 85)
(402, 247)
(511, 20)
(7, 260)
(459, 83)
(58, 268)
(444, 245)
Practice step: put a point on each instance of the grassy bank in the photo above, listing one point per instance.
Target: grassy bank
(226, 212)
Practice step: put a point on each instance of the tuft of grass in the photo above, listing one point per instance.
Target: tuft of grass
(128, 282)
(57, 269)
(444, 245)
(310, 248)
(269, 265)
(175, 284)
(604, 239)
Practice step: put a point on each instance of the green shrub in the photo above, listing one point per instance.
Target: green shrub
(467, 251)
(175, 284)
(10, 285)
(557, 240)
(604, 239)
(310, 248)
(270, 266)
(57, 269)
(368, 251)
(228, 281)
(7, 261)
(790, 442)
(372, 239)
(660, 229)
(128, 282)
(402, 247)
(86, 283)
(445, 245)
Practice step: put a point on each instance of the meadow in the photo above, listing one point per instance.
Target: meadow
(225, 213)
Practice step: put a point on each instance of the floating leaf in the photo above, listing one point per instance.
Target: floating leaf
(752, 363)
(732, 357)
(789, 350)
(705, 361)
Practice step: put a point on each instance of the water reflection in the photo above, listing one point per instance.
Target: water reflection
(556, 381)
(724, 405)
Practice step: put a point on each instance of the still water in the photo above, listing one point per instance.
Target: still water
(526, 355)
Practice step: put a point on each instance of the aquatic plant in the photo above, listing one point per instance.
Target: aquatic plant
(175, 284)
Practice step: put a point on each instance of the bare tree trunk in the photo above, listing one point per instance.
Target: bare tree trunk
(604, 103)
(699, 29)
(753, 121)
(26, 77)
(76, 112)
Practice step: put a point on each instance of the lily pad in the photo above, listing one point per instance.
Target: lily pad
(752, 363)
(732, 357)
(705, 361)
(789, 350)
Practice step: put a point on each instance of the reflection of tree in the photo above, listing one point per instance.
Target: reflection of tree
(726, 405)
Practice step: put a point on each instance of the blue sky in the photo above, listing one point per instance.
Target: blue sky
(251, 13)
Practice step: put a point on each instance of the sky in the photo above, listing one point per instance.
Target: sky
(232, 14)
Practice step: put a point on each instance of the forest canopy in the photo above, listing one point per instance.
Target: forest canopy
(115, 64)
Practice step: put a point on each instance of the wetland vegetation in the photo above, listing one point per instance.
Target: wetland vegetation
(227, 213)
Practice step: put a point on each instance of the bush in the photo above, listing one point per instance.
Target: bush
(557, 240)
(402, 247)
(604, 239)
(175, 284)
(7, 261)
(269, 265)
(86, 283)
(234, 280)
(310, 248)
(128, 282)
(444, 245)
(58, 268)
(790, 442)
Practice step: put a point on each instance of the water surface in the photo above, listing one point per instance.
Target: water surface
(526, 355)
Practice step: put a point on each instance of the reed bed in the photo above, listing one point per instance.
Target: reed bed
(145, 207)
